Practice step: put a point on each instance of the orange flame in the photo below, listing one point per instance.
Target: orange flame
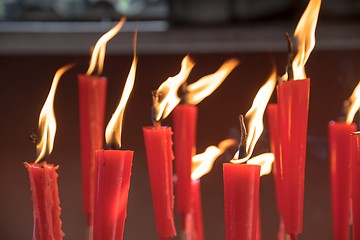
(114, 127)
(305, 36)
(167, 92)
(353, 104)
(47, 120)
(265, 160)
(98, 54)
(254, 117)
(202, 88)
(202, 163)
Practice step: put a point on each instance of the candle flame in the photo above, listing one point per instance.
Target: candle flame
(353, 104)
(265, 160)
(47, 120)
(254, 117)
(98, 53)
(202, 163)
(202, 88)
(114, 127)
(305, 36)
(167, 92)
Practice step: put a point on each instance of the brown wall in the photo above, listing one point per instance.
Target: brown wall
(25, 81)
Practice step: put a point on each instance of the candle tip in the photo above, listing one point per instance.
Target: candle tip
(289, 66)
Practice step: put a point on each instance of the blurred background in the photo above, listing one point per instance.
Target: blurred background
(39, 36)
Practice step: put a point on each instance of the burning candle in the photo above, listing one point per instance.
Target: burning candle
(184, 122)
(112, 173)
(340, 161)
(92, 97)
(158, 144)
(293, 104)
(43, 176)
(241, 181)
(202, 164)
(355, 180)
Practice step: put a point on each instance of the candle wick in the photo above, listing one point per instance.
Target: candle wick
(243, 135)
(185, 92)
(289, 66)
(155, 109)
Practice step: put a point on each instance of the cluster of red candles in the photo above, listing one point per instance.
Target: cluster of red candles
(106, 173)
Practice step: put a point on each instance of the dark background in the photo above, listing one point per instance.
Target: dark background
(25, 82)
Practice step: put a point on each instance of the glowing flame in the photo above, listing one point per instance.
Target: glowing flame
(305, 36)
(254, 117)
(353, 104)
(202, 163)
(167, 92)
(114, 127)
(265, 160)
(202, 88)
(47, 121)
(98, 54)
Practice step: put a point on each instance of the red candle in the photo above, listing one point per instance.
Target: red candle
(293, 104)
(184, 123)
(355, 180)
(113, 171)
(241, 200)
(193, 226)
(92, 98)
(158, 144)
(274, 134)
(339, 147)
(46, 203)
(43, 176)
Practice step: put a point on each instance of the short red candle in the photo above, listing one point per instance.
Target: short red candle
(293, 103)
(340, 151)
(158, 144)
(241, 200)
(113, 171)
(184, 123)
(193, 227)
(92, 97)
(355, 180)
(46, 203)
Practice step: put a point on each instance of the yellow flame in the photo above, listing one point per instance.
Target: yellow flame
(305, 36)
(167, 92)
(353, 104)
(202, 88)
(254, 117)
(47, 121)
(114, 127)
(202, 163)
(98, 54)
(265, 160)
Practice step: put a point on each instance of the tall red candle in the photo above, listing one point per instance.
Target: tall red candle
(340, 151)
(184, 123)
(158, 144)
(293, 104)
(113, 171)
(241, 200)
(92, 98)
(274, 134)
(46, 203)
(355, 180)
